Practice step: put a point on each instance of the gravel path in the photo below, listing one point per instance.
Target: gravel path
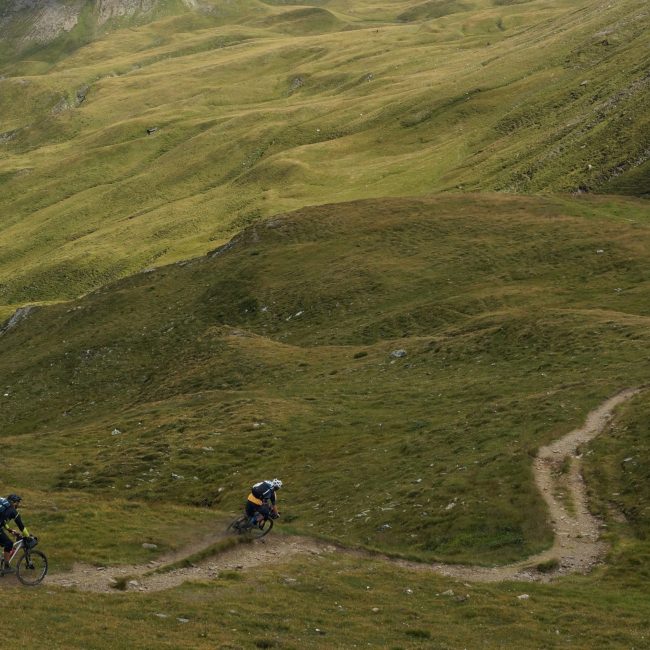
(577, 547)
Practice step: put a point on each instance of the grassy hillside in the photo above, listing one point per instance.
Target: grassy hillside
(383, 250)
(266, 107)
(156, 401)
(516, 315)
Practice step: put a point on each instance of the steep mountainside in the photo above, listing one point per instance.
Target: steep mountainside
(377, 248)
(159, 142)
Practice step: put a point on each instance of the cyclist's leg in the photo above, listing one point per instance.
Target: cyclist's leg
(251, 512)
(265, 511)
(7, 545)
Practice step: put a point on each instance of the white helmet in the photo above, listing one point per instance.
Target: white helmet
(276, 483)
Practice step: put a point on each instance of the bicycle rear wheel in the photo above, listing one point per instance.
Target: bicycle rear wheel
(31, 568)
(238, 526)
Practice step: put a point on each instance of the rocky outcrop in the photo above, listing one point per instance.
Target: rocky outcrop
(27, 23)
(20, 314)
(44, 20)
(109, 9)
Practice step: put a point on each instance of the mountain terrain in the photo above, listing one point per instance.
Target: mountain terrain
(401, 383)
(392, 252)
(158, 142)
(30, 25)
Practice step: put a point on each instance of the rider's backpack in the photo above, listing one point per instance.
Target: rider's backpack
(4, 506)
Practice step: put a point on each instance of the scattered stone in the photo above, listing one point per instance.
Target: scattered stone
(134, 583)
(149, 546)
(183, 620)
(161, 615)
(398, 354)
(375, 609)
(115, 432)
(151, 130)
(296, 82)
(449, 592)
(80, 95)
(523, 597)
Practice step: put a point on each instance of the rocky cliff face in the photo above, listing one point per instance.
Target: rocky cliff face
(32, 22)
(108, 9)
(37, 21)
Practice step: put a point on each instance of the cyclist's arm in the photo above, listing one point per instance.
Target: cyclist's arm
(5, 528)
(23, 529)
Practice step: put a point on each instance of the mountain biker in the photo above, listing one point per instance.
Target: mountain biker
(8, 511)
(261, 501)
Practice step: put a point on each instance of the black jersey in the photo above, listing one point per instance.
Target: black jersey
(9, 512)
(264, 491)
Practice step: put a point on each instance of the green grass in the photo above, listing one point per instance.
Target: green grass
(142, 412)
(333, 602)
(271, 108)
(76, 527)
(231, 367)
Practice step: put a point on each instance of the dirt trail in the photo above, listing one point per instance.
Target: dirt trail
(577, 547)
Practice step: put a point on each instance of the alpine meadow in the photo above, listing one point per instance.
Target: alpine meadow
(395, 253)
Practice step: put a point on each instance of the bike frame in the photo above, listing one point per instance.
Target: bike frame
(18, 544)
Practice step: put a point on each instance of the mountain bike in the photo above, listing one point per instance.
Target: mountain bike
(244, 525)
(32, 565)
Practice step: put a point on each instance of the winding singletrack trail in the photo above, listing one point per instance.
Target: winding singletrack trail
(577, 547)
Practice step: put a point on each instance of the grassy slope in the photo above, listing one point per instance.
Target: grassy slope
(335, 603)
(515, 326)
(262, 110)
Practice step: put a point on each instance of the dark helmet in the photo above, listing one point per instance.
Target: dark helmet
(14, 498)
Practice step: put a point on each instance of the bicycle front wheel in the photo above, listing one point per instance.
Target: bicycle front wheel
(264, 529)
(32, 568)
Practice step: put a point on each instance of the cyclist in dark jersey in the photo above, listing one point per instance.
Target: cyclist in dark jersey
(262, 501)
(8, 511)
